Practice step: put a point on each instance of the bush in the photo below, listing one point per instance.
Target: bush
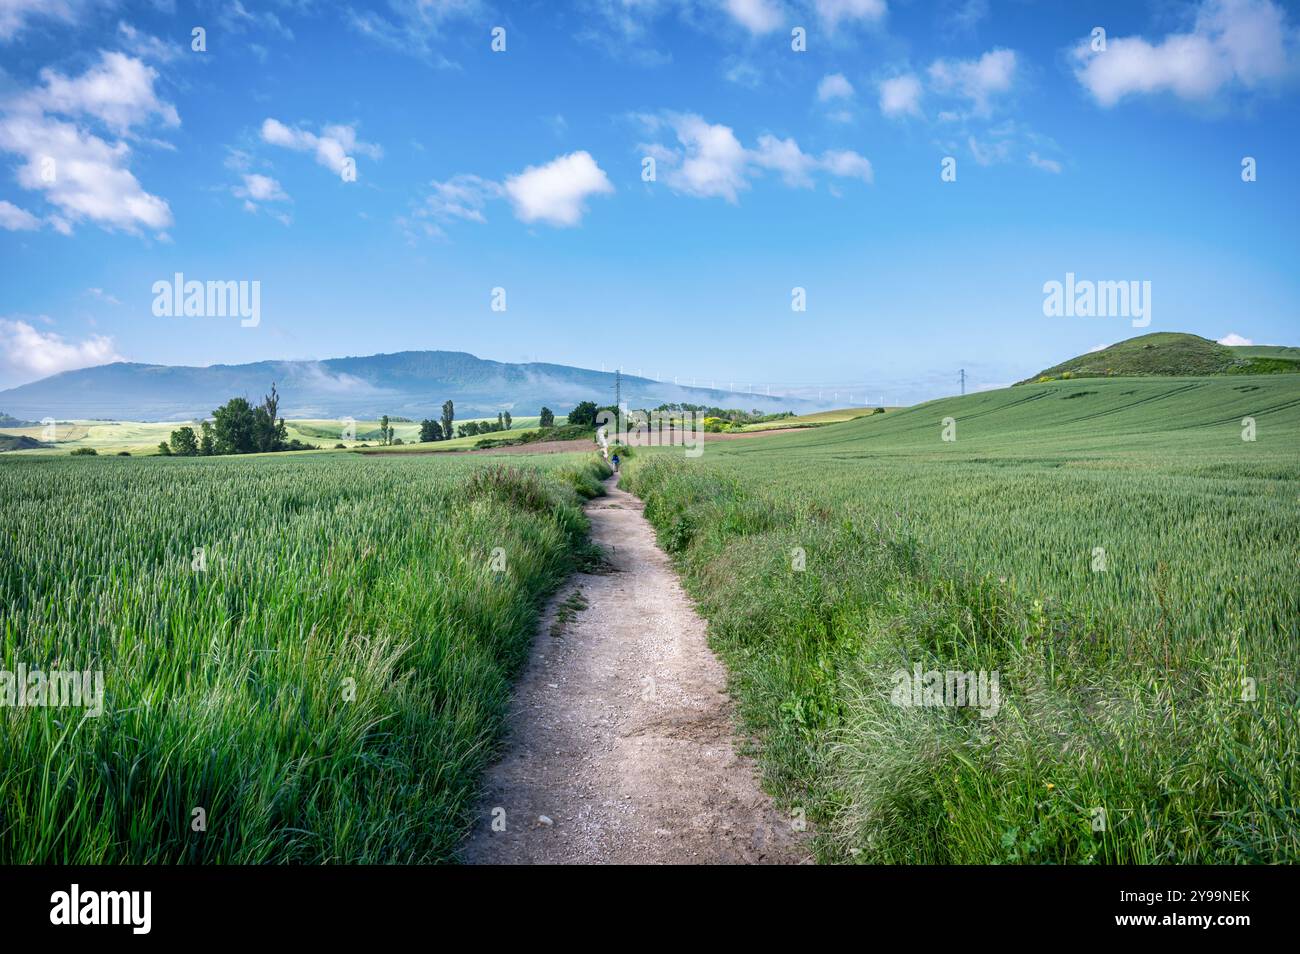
(85, 452)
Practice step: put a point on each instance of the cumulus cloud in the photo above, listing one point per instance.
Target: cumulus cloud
(331, 147)
(709, 161)
(1240, 44)
(86, 176)
(976, 81)
(901, 96)
(15, 219)
(29, 354)
(756, 16)
(834, 86)
(556, 193)
(1234, 340)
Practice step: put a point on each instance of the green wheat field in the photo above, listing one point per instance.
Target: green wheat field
(330, 684)
(1149, 709)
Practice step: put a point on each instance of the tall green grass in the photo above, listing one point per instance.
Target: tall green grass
(1122, 689)
(230, 689)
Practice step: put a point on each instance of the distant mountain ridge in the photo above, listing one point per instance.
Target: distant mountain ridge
(1169, 354)
(410, 384)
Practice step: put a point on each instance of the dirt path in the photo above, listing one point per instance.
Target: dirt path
(621, 745)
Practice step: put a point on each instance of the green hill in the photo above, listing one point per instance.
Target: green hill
(13, 442)
(1172, 354)
(1121, 552)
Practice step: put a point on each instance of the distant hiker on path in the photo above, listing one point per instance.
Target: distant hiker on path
(614, 460)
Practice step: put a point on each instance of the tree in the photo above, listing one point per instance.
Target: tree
(584, 415)
(207, 446)
(184, 443)
(269, 432)
(430, 431)
(385, 432)
(164, 449)
(448, 418)
(501, 421)
(235, 427)
(548, 418)
(509, 420)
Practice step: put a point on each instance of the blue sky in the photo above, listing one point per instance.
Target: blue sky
(522, 169)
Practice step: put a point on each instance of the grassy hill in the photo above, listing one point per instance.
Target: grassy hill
(1113, 549)
(1174, 354)
(15, 442)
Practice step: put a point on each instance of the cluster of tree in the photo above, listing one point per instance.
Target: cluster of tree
(442, 429)
(733, 415)
(474, 428)
(237, 427)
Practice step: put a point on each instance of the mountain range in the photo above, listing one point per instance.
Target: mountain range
(409, 384)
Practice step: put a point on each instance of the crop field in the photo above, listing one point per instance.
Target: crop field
(305, 658)
(818, 419)
(1112, 549)
(142, 437)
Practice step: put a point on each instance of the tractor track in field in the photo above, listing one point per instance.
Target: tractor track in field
(621, 746)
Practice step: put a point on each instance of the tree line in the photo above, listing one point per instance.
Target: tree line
(237, 427)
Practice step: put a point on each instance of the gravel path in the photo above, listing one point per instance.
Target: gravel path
(621, 742)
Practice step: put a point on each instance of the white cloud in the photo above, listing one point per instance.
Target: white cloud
(415, 24)
(15, 219)
(258, 188)
(15, 14)
(1234, 340)
(1095, 348)
(1233, 43)
(833, 12)
(462, 196)
(756, 16)
(332, 147)
(30, 354)
(238, 19)
(710, 162)
(1047, 165)
(834, 86)
(118, 91)
(975, 80)
(901, 96)
(556, 193)
(847, 165)
(86, 176)
(145, 46)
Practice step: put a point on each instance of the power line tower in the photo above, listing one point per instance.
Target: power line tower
(963, 380)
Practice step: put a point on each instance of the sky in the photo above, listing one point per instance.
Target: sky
(655, 185)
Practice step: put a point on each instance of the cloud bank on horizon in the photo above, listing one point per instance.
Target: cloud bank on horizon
(379, 168)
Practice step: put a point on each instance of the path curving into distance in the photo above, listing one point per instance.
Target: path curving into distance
(621, 742)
